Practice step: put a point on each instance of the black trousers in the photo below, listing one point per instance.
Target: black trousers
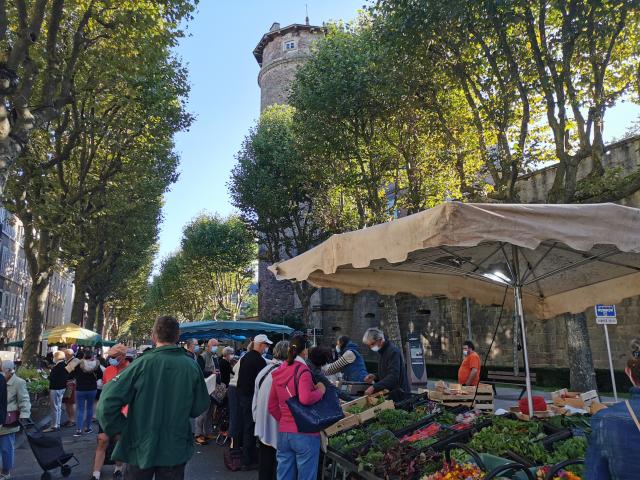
(159, 473)
(248, 427)
(267, 462)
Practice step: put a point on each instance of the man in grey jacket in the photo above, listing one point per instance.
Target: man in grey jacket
(392, 372)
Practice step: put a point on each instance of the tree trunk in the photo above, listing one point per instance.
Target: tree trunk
(390, 325)
(100, 319)
(91, 313)
(79, 299)
(581, 371)
(35, 318)
(304, 291)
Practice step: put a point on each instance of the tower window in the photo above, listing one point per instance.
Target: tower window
(290, 45)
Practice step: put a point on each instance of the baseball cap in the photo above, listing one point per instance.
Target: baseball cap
(262, 339)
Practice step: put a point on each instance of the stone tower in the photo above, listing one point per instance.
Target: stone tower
(279, 53)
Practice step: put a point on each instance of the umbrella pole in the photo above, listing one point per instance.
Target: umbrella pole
(520, 312)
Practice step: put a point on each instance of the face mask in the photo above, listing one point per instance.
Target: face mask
(465, 353)
(375, 348)
(338, 349)
(213, 349)
(196, 349)
(113, 362)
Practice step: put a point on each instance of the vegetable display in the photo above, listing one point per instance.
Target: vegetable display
(457, 471)
(403, 445)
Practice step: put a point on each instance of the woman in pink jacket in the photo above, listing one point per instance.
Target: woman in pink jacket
(298, 453)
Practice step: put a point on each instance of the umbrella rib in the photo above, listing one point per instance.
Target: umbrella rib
(535, 279)
(573, 265)
(545, 255)
(609, 262)
(479, 267)
(462, 259)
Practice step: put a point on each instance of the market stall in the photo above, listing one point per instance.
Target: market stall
(422, 439)
(233, 330)
(553, 259)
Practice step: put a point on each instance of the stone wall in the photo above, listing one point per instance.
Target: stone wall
(275, 299)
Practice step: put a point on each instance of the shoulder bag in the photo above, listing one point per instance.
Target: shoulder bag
(320, 415)
(633, 415)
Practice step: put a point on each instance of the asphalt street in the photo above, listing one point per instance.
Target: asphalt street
(206, 463)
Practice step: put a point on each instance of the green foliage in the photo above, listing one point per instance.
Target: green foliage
(511, 435)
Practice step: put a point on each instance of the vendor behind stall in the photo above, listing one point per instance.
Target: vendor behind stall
(392, 373)
(350, 363)
(469, 371)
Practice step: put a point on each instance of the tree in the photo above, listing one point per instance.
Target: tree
(222, 251)
(285, 199)
(47, 46)
(113, 142)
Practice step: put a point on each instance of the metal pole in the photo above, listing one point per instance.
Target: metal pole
(517, 288)
(518, 294)
(469, 318)
(613, 377)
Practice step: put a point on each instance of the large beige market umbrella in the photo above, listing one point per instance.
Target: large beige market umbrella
(554, 258)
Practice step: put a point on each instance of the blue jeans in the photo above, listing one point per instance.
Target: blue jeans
(84, 408)
(298, 455)
(7, 444)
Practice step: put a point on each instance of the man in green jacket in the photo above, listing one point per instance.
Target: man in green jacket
(163, 389)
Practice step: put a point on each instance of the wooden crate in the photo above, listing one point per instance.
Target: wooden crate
(483, 399)
(563, 398)
(352, 420)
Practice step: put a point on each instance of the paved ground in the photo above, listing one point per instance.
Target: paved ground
(206, 463)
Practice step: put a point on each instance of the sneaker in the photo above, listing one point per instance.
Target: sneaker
(51, 429)
(77, 434)
(68, 423)
(88, 430)
(117, 475)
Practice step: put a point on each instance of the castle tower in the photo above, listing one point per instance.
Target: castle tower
(279, 53)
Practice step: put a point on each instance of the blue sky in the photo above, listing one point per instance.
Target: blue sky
(226, 99)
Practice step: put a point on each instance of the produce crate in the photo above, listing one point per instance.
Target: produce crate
(353, 420)
(563, 398)
(483, 399)
(369, 404)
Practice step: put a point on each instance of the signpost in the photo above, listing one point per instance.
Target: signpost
(606, 315)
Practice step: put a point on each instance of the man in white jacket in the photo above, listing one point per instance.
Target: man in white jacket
(266, 426)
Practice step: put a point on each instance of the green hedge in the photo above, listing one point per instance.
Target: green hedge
(545, 376)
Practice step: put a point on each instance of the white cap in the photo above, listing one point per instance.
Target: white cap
(262, 339)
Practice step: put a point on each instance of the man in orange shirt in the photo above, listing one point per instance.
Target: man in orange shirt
(469, 371)
(117, 363)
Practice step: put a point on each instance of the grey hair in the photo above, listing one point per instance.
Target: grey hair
(372, 334)
(191, 341)
(281, 349)
(227, 350)
(8, 366)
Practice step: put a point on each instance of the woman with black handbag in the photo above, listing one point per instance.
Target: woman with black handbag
(298, 453)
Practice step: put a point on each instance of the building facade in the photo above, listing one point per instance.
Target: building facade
(15, 284)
